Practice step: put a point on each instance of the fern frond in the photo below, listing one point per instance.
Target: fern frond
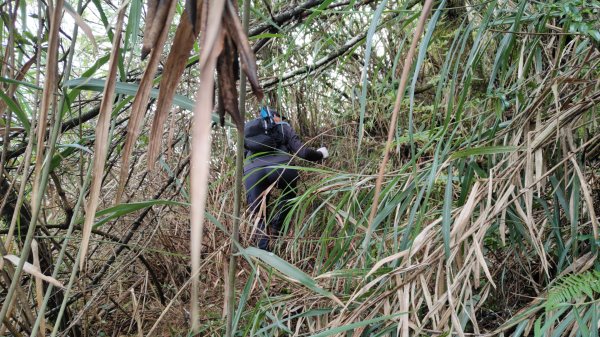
(572, 287)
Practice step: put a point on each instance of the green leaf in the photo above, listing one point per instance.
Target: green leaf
(25, 84)
(131, 32)
(317, 11)
(483, 150)
(88, 73)
(265, 36)
(244, 298)
(69, 149)
(77, 147)
(352, 326)
(288, 270)
(365, 70)
(16, 108)
(130, 89)
(104, 18)
(117, 211)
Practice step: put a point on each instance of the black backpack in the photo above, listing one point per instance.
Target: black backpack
(262, 135)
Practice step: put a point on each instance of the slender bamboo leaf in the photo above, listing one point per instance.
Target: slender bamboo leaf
(130, 89)
(484, 150)
(117, 211)
(288, 270)
(16, 108)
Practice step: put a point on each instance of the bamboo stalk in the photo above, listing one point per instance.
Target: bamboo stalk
(42, 306)
(239, 173)
(43, 171)
(39, 290)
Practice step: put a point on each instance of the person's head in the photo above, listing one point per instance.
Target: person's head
(274, 114)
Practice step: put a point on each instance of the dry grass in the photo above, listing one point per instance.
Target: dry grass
(489, 198)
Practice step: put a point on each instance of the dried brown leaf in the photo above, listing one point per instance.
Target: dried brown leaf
(211, 28)
(194, 11)
(140, 101)
(32, 270)
(236, 31)
(587, 196)
(102, 142)
(211, 46)
(176, 61)
(151, 9)
(228, 94)
(158, 24)
(48, 93)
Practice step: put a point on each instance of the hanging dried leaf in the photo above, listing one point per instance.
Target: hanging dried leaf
(201, 147)
(151, 8)
(141, 99)
(228, 71)
(236, 32)
(211, 29)
(101, 144)
(194, 10)
(176, 62)
(48, 93)
(158, 21)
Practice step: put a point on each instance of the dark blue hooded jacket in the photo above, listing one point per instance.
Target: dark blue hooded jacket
(288, 144)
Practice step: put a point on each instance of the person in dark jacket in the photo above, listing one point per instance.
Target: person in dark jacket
(270, 143)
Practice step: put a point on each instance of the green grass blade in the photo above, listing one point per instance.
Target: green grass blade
(483, 150)
(367, 61)
(243, 299)
(16, 108)
(352, 326)
(25, 84)
(130, 89)
(288, 270)
(117, 211)
(420, 61)
(133, 28)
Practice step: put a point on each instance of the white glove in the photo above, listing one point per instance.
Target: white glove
(324, 152)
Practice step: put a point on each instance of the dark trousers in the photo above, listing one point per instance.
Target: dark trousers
(257, 181)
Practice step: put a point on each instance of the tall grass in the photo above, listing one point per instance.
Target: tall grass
(486, 221)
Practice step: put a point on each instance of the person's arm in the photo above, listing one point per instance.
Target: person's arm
(297, 147)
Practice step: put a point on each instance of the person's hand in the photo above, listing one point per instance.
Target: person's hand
(324, 152)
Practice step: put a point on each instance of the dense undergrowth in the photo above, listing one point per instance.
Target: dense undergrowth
(487, 221)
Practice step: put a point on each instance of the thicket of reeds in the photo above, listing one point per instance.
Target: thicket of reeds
(461, 198)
